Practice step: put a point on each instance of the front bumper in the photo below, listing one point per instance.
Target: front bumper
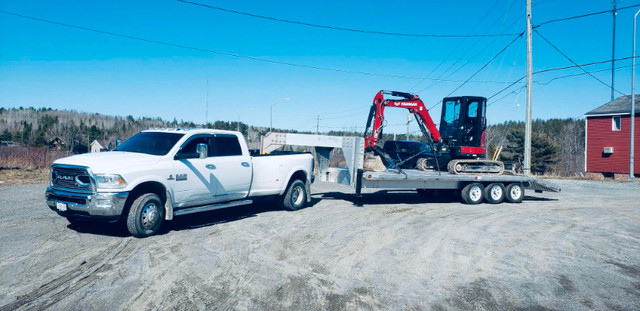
(94, 206)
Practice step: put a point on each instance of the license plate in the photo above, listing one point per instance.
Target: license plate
(61, 206)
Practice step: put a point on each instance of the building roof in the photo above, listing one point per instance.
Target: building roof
(620, 106)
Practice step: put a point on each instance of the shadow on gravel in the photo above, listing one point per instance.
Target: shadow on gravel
(392, 197)
(539, 199)
(221, 216)
(191, 221)
(118, 229)
(385, 197)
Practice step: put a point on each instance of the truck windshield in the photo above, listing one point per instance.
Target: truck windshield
(154, 143)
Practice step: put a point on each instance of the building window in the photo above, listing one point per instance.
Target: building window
(615, 123)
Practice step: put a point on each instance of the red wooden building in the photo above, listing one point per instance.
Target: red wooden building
(608, 137)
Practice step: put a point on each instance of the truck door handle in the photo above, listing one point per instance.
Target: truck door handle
(245, 164)
(210, 166)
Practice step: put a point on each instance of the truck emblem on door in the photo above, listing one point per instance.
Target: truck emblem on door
(181, 177)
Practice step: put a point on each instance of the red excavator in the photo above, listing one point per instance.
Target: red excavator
(461, 134)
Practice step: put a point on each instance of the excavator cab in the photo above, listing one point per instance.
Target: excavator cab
(462, 126)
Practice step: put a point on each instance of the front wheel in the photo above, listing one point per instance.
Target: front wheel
(295, 197)
(145, 215)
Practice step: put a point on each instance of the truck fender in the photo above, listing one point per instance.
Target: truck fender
(298, 171)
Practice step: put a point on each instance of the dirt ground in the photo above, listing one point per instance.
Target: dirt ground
(574, 250)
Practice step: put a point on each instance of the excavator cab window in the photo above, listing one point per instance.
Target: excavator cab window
(450, 118)
(472, 126)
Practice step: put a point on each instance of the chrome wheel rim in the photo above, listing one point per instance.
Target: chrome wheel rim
(150, 215)
(297, 196)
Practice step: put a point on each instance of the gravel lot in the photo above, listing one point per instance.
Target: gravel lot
(576, 250)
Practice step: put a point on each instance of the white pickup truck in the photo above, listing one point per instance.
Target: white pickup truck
(158, 174)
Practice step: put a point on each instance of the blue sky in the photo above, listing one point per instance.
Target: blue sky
(47, 65)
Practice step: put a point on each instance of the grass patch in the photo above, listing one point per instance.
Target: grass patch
(22, 176)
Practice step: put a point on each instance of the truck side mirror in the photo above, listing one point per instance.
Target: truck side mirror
(202, 151)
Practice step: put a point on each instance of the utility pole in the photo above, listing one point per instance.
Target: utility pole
(527, 125)
(318, 125)
(633, 102)
(613, 51)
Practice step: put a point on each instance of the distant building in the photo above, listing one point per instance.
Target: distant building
(57, 143)
(608, 137)
(96, 146)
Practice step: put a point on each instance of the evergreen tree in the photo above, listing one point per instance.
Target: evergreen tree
(544, 152)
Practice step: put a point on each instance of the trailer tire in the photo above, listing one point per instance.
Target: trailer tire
(295, 197)
(494, 193)
(145, 215)
(472, 193)
(514, 193)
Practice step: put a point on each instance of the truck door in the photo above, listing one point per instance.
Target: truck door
(194, 180)
(232, 167)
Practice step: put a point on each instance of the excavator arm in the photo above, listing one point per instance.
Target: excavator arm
(408, 101)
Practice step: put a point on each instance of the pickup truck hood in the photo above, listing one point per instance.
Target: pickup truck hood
(110, 162)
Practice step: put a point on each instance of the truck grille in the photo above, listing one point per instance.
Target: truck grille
(71, 178)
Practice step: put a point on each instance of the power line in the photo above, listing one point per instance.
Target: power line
(568, 58)
(177, 45)
(469, 48)
(580, 74)
(557, 69)
(585, 15)
(340, 28)
(483, 67)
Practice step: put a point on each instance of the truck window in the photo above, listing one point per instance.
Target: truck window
(152, 143)
(190, 149)
(226, 145)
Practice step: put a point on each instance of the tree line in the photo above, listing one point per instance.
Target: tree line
(557, 144)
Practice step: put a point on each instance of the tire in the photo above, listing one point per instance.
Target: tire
(295, 197)
(472, 193)
(145, 215)
(514, 193)
(494, 193)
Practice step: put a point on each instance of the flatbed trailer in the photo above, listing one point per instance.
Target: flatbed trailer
(473, 188)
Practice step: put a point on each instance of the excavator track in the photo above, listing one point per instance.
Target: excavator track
(488, 167)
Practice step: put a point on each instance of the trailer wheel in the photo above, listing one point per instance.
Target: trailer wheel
(515, 193)
(494, 193)
(295, 197)
(145, 215)
(472, 193)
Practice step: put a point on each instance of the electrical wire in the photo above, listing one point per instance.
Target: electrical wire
(483, 67)
(182, 46)
(457, 46)
(340, 28)
(581, 74)
(444, 74)
(585, 15)
(557, 69)
(568, 58)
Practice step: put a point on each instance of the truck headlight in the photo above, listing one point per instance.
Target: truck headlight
(110, 181)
